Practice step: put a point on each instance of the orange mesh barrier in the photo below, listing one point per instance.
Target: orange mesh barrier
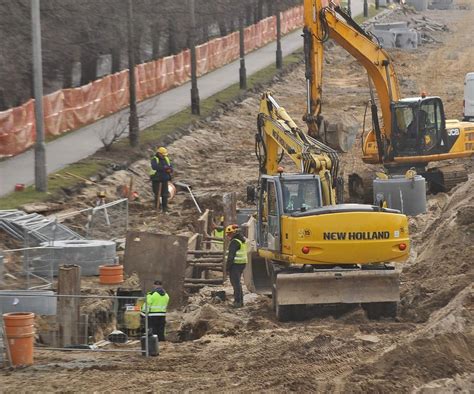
(70, 109)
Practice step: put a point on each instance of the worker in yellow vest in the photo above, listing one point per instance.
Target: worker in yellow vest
(236, 261)
(161, 172)
(218, 232)
(157, 303)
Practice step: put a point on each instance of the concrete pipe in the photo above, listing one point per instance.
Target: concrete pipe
(39, 302)
(88, 254)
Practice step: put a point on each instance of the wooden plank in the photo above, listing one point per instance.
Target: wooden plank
(204, 260)
(203, 281)
(69, 313)
(212, 267)
(208, 252)
(197, 285)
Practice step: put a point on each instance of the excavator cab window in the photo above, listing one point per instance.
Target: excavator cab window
(431, 125)
(300, 195)
(418, 126)
(269, 216)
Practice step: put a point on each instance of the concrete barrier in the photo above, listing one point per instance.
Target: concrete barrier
(396, 35)
(441, 5)
(39, 302)
(419, 5)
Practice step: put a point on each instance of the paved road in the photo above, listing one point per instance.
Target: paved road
(86, 141)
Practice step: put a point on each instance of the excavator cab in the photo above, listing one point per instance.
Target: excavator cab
(419, 127)
(284, 195)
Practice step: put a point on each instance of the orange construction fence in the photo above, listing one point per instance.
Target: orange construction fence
(69, 109)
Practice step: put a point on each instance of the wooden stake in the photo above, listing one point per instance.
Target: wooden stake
(69, 316)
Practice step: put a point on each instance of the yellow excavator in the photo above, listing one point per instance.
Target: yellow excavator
(306, 248)
(413, 132)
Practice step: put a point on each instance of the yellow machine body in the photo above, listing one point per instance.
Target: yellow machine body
(344, 238)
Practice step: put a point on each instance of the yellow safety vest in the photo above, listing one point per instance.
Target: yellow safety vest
(167, 159)
(241, 255)
(156, 304)
(219, 234)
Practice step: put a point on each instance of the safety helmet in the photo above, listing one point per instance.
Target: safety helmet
(231, 229)
(162, 150)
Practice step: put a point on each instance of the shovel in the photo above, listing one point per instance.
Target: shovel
(185, 186)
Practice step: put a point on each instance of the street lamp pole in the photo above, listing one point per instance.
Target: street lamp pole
(195, 110)
(133, 126)
(279, 55)
(41, 180)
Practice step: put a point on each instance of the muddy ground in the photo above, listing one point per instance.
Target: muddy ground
(428, 348)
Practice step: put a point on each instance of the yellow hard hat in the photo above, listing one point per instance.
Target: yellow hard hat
(231, 229)
(162, 150)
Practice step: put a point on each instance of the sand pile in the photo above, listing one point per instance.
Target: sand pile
(443, 266)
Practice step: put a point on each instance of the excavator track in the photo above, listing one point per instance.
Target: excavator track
(443, 179)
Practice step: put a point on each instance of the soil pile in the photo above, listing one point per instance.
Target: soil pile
(445, 244)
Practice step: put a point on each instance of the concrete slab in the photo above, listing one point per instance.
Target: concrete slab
(406, 38)
(390, 25)
(419, 5)
(158, 256)
(88, 254)
(386, 38)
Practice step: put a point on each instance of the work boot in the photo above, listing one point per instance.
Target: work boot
(237, 305)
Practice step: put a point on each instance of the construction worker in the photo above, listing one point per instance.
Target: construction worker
(236, 261)
(218, 232)
(160, 173)
(156, 302)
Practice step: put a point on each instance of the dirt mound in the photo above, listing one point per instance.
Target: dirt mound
(459, 384)
(443, 266)
(440, 349)
(208, 320)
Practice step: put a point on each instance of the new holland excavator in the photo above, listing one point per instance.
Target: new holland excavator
(413, 132)
(307, 249)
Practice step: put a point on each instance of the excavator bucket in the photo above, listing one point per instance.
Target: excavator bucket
(341, 135)
(338, 287)
(256, 277)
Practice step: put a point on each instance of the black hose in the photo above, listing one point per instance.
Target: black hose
(260, 144)
(363, 127)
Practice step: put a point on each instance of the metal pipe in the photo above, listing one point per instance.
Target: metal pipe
(195, 202)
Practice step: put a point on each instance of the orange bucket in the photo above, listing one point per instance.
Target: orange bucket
(111, 274)
(20, 332)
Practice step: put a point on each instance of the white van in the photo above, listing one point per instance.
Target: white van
(469, 97)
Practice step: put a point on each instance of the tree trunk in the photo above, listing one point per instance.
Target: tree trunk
(248, 15)
(155, 40)
(116, 53)
(259, 10)
(88, 65)
(172, 41)
(222, 28)
(67, 74)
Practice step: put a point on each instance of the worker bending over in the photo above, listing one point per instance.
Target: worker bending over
(157, 303)
(236, 261)
(160, 173)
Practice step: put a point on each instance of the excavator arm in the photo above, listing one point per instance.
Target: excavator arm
(322, 23)
(278, 134)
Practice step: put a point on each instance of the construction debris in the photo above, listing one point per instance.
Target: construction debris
(34, 228)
